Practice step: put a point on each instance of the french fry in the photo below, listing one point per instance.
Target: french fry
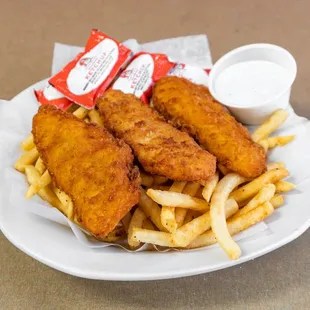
(251, 189)
(277, 201)
(95, 117)
(272, 142)
(167, 214)
(28, 143)
(191, 189)
(217, 213)
(150, 209)
(182, 236)
(86, 120)
(146, 179)
(270, 125)
(81, 112)
(284, 186)
(178, 200)
(265, 194)
(190, 215)
(209, 187)
(136, 222)
(264, 144)
(147, 224)
(153, 237)
(158, 179)
(223, 169)
(161, 187)
(235, 225)
(44, 180)
(190, 231)
(73, 108)
(28, 158)
(40, 165)
(70, 207)
(126, 220)
(276, 165)
(46, 193)
(66, 202)
(199, 193)
(244, 202)
(115, 234)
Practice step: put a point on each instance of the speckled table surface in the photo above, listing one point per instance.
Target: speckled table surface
(28, 30)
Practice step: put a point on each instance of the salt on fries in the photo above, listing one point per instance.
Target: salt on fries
(235, 225)
(185, 234)
(252, 188)
(66, 202)
(181, 215)
(190, 231)
(265, 194)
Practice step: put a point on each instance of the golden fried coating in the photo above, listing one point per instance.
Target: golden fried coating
(160, 148)
(90, 166)
(191, 108)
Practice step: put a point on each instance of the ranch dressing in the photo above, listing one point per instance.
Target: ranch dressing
(252, 82)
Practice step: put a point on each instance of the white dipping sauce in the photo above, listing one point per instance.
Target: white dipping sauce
(251, 83)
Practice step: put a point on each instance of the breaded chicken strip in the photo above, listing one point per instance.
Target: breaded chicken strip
(192, 108)
(160, 148)
(90, 166)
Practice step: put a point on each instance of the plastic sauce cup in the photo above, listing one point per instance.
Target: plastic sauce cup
(255, 114)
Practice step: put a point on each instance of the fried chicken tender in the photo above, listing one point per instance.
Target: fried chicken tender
(88, 164)
(160, 148)
(191, 108)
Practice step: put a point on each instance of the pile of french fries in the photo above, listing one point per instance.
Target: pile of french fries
(183, 215)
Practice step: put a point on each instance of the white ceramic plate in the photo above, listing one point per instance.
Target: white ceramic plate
(55, 245)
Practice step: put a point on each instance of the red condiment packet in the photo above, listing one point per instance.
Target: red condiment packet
(194, 74)
(91, 70)
(144, 70)
(50, 95)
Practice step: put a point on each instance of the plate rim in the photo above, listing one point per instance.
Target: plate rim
(118, 276)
